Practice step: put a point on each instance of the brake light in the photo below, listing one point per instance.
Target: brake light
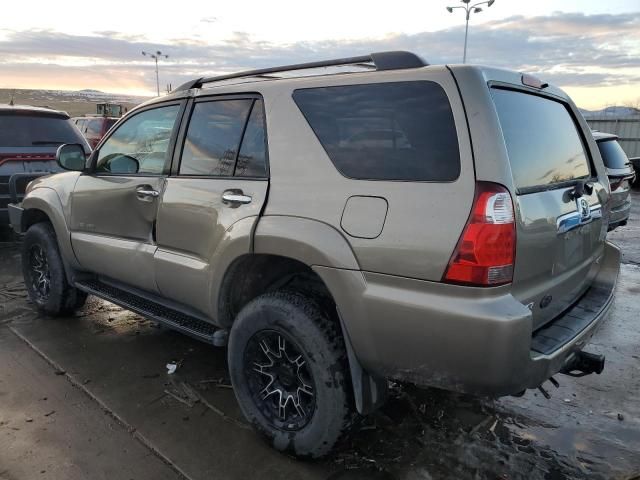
(485, 253)
(25, 157)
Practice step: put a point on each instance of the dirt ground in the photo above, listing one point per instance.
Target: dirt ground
(89, 397)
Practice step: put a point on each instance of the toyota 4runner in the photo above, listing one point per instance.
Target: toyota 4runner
(370, 218)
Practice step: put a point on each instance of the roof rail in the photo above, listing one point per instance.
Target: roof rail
(396, 60)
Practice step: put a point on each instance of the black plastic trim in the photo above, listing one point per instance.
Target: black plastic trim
(145, 304)
(392, 60)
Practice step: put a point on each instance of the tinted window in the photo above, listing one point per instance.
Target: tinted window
(612, 154)
(252, 160)
(385, 131)
(144, 138)
(541, 138)
(31, 131)
(213, 137)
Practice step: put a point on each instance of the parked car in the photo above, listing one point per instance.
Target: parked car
(467, 252)
(94, 128)
(635, 161)
(621, 175)
(29, 138)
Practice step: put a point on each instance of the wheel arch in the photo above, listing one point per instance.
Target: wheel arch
(43, 204)
(286, 250)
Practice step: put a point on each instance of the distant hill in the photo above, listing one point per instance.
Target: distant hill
(75, 103)
(614, 111)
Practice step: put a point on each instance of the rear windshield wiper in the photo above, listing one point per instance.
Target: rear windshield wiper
(47, 142)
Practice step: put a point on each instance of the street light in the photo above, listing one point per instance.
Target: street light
(155, 56)
(469, 9)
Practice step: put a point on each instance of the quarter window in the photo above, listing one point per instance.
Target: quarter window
(385, 131)
(140, 145)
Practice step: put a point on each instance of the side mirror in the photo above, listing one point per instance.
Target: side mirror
(71, 157)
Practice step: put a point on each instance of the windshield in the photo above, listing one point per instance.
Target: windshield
(541, 138)
(612, 154)
(32, 131)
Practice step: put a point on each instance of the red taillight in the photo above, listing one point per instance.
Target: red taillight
(25, 157)
(485, 253)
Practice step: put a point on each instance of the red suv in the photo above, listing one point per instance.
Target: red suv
(29, 139)
(94, 128)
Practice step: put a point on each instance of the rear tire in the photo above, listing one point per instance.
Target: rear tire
(289, 370)
(44, 275)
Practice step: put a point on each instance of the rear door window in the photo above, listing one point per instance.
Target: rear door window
(542, 140)
(225, 138)
(213, 137)
(385, 131)
(612, 154)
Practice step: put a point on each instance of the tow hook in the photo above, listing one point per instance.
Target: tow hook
(578, 365)
(584, 363)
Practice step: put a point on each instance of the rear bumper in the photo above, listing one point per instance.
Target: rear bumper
(620, 212)
(477, 341)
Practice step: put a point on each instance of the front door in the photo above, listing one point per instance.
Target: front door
(212, 199)
(114, 208)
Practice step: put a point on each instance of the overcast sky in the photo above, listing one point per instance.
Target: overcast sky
(591, 48)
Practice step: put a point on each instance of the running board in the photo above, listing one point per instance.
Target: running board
(171, 317)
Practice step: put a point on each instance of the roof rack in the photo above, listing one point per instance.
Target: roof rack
(395, 60)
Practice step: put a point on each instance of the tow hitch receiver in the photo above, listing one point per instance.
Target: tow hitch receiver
(584, 363)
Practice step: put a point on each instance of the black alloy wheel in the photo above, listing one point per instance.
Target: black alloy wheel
(279, 380)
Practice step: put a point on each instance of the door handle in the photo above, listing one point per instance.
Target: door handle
(146, 193)
(235, 197)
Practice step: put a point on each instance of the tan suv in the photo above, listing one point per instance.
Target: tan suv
(441, 225)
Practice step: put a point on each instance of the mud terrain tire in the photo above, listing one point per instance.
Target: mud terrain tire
(312, 358)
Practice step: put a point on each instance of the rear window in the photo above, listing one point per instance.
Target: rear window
(32, 131)
(612, 154)
(541, 138)
(385, 131)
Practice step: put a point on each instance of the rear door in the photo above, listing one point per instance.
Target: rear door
(560, 232)
(213, 196)
(114, 209)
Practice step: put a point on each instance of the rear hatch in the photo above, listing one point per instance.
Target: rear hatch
(559, 201)
(28, 144)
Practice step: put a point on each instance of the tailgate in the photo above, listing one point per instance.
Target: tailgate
(560, 232)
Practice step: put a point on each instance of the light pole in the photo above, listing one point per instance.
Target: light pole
(155, 56)
(468, 10)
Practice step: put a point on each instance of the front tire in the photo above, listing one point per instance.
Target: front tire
(44, 274)
(289, 370)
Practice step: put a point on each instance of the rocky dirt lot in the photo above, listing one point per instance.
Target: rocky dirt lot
(89, 397)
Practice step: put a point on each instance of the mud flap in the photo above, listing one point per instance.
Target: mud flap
(369, 391)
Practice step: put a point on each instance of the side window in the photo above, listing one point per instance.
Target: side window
(252, 161)
(213, 137)
(80, 124)
(385, 131)
(94, 126)
(140, 144)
